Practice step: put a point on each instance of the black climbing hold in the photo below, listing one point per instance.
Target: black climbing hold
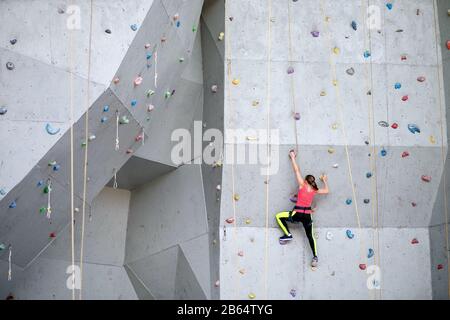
(354, 25)
(13, 41)
(366, 201)
(108, 31)
(3, 110)
(10, 66)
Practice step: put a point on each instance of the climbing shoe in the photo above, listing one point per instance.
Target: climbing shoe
(314, 262)
(286, 238)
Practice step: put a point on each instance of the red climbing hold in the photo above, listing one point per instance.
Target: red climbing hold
(230, 220)
(52, 235)
(405, 98)
(405, 154)
(414, 241)
(362, 266)
(448, 44)
(426, 178)
(394, 126)
(414, 204)
(440, 266)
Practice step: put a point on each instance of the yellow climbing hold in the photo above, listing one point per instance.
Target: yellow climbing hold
(432, 140)
(248, 221)
(336, 50)
(221, 36)
(252, 296)
(323, 93)
(327, 19)
(250, 138)
(242, 271)
(255, 103)
(330, 150)
(236, 197)
(334, 126)
(236, 82)
(335, 83)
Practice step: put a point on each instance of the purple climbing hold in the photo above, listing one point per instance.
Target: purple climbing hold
(290, 70)
(293, 293)
(297, 116)
(315, 34)
(293, 198)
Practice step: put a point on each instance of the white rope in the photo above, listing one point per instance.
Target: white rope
(10, 264)
(156, 69)
(117, 130)
(49, 206)
(115, 179)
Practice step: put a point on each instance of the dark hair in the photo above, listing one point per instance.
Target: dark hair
(312, 181)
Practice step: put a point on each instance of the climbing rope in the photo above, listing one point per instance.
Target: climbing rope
(117, 131)
(372, 141)
(49, 206)
(292, 88)
(344, 134)
(86, 133)
(10, 263)
(268, 98)
(71, 122)
(231, 112)
(443, 154)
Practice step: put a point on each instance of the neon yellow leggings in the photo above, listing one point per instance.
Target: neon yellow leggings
(305, 219)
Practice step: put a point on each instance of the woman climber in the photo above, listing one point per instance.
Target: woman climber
(302, 211)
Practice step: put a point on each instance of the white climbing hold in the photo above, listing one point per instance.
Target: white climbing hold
(214, 88)
(221, 36)
(50, 130)
(329, 236)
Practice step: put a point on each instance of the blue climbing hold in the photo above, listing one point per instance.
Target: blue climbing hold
(398, 85)
(2, 192)
(56, 167)
(383, 153)
(105, 108)
(134, 27)
(50, 130)
(354, 25)
(413, 128)
(40, 183)
(389, 6)
(369, 175)
(178, 24)
(370, 254)
(367, 54)
(350, 235)
(348, 201)
(133, 103)
(104, 120)
(149, 56)
(13, 205)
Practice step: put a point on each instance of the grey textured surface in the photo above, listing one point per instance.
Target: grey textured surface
(165, 237)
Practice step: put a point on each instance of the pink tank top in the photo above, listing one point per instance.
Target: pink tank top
(305, 198)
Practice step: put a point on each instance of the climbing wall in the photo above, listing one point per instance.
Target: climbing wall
(356, 87)
(133, 108)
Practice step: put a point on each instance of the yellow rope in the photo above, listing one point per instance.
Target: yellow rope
(443, 155)
(372, 139)
(339, 105)
(230, 106)
(86, 133)
(71, 158)
(269, 81)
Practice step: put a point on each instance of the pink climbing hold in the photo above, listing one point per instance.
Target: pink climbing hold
(426, 178)
(230, 220)
(139, 138)
(147, 45)
(414, 241)
(440, 266)
(130, 151)
(405, 154)
(405, 98)
(116, 80)
(421, 79)
(241, 253)
(394, 126)
(362, 266)
(138, 81)
(297, 116)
